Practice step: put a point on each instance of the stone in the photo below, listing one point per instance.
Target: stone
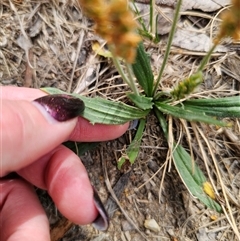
(152, 225)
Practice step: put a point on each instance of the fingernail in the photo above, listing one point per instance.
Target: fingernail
(102, 221)
(61, 107)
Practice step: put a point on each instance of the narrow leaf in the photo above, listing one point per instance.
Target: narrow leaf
(221, 107)
(142, 70)
(141, 101)
(189, 115)
(191, 175)
(98, 110)
(134, 147)
(162, 121)
(233, 111)
(193, 180)
(219, 102)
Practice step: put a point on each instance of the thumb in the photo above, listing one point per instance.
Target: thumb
(29, 130)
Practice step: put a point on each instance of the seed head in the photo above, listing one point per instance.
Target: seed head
(115, 23)
(230, 26)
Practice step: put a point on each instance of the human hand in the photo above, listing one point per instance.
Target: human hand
(30, 145)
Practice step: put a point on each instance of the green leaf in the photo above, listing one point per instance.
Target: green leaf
(142, 102)
(215, 111)
(190, 115)
(134, 147)
(98, 110)
(219, 102)
(142, 70)
(220, 107)
(120, 162)
(162, 121)
(192, 177)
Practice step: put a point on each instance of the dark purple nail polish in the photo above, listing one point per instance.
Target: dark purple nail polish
(102, 220)
(61, 107)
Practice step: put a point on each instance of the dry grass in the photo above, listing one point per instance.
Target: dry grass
(48, 43)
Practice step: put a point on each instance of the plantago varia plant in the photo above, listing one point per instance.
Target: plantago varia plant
(114, 22)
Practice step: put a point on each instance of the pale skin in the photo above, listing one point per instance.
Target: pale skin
(31, 146)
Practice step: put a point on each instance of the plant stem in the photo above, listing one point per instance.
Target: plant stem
(206, 58)
(130, 82)
(171, 34)
(152, 18)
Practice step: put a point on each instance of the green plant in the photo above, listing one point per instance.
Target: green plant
(163, 105)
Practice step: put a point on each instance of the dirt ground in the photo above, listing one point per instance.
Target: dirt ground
(48, 43)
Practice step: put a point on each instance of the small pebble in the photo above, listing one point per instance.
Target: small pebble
(152, 225)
